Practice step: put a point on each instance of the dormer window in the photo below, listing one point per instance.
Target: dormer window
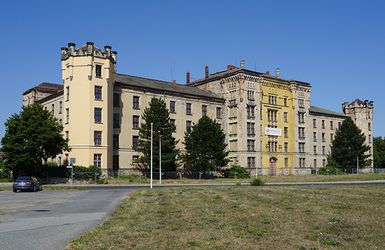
(98, 71)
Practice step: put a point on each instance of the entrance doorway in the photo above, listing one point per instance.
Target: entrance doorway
(273, 165)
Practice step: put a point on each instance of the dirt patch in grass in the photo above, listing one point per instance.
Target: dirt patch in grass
(244, 218)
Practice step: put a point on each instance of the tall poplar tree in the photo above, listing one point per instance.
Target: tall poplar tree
(349, 143)
(158, 114)
(379, 152)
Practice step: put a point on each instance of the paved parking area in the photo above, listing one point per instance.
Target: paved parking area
(50, 219)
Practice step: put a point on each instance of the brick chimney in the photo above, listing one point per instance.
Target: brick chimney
(174, 82)
(188, 77)
(206, 72)
(230, 67)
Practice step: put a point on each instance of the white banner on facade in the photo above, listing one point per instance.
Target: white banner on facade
(273, 131)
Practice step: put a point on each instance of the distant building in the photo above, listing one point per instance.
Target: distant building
(270, 125)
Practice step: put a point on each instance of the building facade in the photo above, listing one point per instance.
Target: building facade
(270, 125)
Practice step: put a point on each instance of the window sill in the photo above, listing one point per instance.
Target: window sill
(100, 100)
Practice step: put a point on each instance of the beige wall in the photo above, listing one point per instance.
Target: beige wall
(126, 132)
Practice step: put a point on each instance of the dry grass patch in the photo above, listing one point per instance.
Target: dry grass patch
(244, 218)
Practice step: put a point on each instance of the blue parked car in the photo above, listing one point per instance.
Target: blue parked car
(28, 183)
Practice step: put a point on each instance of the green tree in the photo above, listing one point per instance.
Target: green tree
(379, 152)
(349, 143)
(205, 147)
(158, 114)
(31, 137)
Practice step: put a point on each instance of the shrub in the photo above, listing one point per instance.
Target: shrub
(257, 182)
(237, 171)
(328, 170)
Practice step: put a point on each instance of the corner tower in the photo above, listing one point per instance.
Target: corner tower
(88, 75)
(361, 113)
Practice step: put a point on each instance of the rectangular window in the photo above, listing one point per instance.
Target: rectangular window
(301, 117)
(369, 126)
(97, 138)
(204, 110)
(173, 124)
(285, 118)
(315, 150)
(315, 163)
(286, 132)
(370, 138)
(116, 100)
(251, 162)
(67, 135)
(172, 107)
(60, 107)
(250, 145)
(323, 137)
(286, 162)
(250, 112)
(301, 133)
(323, 150)
(98, 160)
(98, 93)
(116, 120)
(98, 71)
(339, 124)
(250, 95)
(286, 147)
(331, 137)
(250, 129)
(53, 109)
(115, 143)
(323, 124)
(97, 115)
(272, 100)
(135, 141)
(323, 163)
(219, 113)
(301, 146)
(188, 109)
(331, 125)
(301, 162)
(285, 102)
(67, 115)
(188, 125)
(314, 123)
(68, 93)
(135, 102)
(272, 115)
(314, 136)
(135, 122)
(301, 103)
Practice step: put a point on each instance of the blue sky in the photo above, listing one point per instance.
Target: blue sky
(338, 46)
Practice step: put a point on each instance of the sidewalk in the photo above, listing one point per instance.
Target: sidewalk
(156, 185)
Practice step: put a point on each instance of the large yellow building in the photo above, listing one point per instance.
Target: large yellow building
(269, 123)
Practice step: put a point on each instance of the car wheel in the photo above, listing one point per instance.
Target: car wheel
(14, 190)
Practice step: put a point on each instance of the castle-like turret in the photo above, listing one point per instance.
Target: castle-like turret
(361, 113)
(88, 74)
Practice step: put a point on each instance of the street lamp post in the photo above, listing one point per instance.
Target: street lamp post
(160, 159)
(151, 154)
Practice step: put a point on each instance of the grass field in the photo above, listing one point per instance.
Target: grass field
(290, 178)
(245, 218)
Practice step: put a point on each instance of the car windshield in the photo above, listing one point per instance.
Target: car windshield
(24, 178)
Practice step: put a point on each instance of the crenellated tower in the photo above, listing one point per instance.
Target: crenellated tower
(88, 75)
(361, 113)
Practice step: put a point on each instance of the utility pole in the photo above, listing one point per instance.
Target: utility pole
(151, 154)
(160, 158)
(358, 165)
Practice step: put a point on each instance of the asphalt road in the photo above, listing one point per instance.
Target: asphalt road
(50, 219)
